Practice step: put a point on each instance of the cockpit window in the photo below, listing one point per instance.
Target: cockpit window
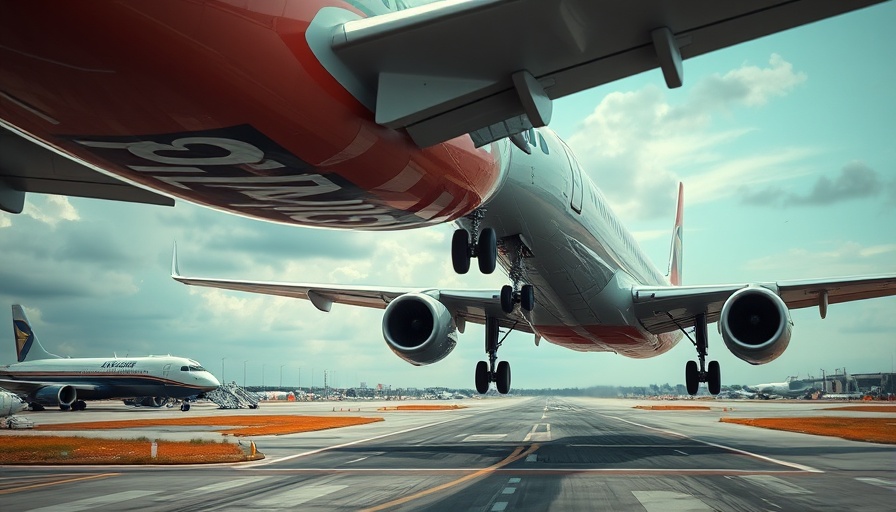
(197, 369)
(184, 368)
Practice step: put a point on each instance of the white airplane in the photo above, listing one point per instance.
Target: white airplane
(790, 388)
(45, 379)
(365, 114)
(10, 403)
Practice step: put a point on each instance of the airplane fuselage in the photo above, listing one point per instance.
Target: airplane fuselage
(99, 378)
(225, 105)
(581, 259)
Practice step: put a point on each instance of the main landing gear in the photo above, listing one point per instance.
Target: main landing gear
(693, 375)
(516, 294)
(483, 247)
(488, 372)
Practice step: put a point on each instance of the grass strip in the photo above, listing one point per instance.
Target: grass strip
(250, 425)
(872, 430)
(673, 407)
(87, 450)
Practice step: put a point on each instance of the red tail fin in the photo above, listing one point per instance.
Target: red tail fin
(674, 273)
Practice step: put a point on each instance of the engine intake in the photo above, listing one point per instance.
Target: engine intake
(755, 325)
(63, 396)
(419, 329)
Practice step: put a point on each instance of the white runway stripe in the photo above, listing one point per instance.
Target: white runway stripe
(287, 500)
(775, 484)
(669, 501)
(96, 501)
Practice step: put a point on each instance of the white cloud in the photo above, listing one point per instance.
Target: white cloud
(5, 220)
(51, 210)
(637, 146)
(843, 259)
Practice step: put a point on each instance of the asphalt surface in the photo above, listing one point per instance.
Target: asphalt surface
(497, 455)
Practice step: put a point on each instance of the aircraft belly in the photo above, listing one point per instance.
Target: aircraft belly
(226, 107)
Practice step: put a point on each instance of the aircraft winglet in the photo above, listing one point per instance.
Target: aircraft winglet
(175, 272)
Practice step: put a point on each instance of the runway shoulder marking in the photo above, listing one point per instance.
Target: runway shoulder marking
(96, 501)
(801, 467)
(297, 496)
(880, 482)
(540, 433)
(670, 501)
(210, 488)
(775, 484)
(483, 437)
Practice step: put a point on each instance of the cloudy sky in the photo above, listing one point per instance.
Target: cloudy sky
(785, 146)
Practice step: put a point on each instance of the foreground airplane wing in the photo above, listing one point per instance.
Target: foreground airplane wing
(464, 305)
(28, 166)
(490, 68)
(666, 308)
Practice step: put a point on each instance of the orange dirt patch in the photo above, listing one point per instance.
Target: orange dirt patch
(85, 450)
(261, 425)
(865, 408)
(873, 430)
(423, 408)
(673, 407)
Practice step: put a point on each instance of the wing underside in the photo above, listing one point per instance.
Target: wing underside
(668, 308)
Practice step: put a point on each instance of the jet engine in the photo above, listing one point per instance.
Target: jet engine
(755, 325)
(419, 329)
(63, 396)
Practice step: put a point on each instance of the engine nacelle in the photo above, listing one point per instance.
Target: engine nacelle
(151, 401)
(63, 396)
(755, 325)
(419, 329)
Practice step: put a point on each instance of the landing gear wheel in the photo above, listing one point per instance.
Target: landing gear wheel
(185, 407)
(482, 377)
(507, 299)
(460, 251)
(502, 377)
(527, 297)
(691, 377)
(714, 378)
(79, 405)
(487, 251)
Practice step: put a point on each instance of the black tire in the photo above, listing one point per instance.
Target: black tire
(507, 299)
(460, 251)
(714, 378)
(185, 407)
(527, 297)
(487, 251)
(482, 379)
(502, 377)
(691, 379)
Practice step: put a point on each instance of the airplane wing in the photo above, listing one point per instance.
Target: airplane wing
(491, 68)
(28, 166)
(465, 305)
(23, 387)
(665, 308)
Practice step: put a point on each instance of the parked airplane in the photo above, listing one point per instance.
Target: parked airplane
(790, 388)
(46, 379)
(10, 403)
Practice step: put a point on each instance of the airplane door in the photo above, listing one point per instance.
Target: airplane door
(165, 370)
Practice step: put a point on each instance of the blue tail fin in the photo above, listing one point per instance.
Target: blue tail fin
(28, 348)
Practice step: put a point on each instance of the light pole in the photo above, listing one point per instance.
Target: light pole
(222, 369)
(300, 378)
(262, 376)
(281, 376)
(244, 372)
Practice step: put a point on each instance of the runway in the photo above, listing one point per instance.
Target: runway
(503, 455)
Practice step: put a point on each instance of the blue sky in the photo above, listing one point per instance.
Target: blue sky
(785, 146)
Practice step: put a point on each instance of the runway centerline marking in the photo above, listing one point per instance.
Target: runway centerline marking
(58, 482)
(801, 467)
(351, 443)
(681, 452)
(517, 454)
(96, 501)
(775, 484)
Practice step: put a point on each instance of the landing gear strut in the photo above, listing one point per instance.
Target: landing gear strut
(488, 372)
(483, 247)
(511, 295)
(693, 375)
